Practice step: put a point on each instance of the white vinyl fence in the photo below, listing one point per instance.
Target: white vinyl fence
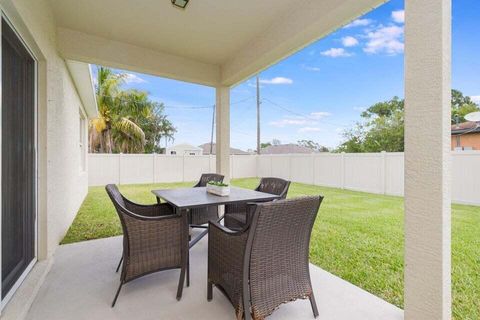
(380, 173)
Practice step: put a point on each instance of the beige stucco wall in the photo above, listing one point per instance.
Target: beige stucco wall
(62, 184)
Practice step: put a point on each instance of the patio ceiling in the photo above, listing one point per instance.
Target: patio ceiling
(210, 42)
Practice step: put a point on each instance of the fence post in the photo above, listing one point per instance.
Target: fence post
(119, 168)
(209, 163)
(383, 172)
(313, 168)
(154, 156)
(343, 169)
(183, 168)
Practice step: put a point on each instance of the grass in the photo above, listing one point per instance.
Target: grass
(357, 236)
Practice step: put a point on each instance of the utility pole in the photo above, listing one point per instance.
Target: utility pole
(213, 124)
(258, 115)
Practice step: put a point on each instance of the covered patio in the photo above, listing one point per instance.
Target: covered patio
(221, 44)
(82, 280)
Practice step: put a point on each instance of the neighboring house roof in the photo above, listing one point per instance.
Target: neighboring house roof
(206, 149)
(184, 146)
(465, 127)
(286, 148)
(82, 78)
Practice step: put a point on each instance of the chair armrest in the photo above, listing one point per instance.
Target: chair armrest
(144, 232)
(225, 247)
(154, 243)
(240, 207)
(226, 250)
(217, 229)
(149, 210)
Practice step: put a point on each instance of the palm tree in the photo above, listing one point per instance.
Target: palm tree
(115, 129)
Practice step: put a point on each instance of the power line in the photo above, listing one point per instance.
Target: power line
(242, 100)
(165, 106)
(172, 106)
(301, 114)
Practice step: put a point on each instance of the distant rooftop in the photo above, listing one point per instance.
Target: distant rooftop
(286, 148)
(206, 149)
(465, 127)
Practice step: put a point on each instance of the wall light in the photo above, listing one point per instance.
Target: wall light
(180, 3)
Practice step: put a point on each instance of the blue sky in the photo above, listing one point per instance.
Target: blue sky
(321, 90)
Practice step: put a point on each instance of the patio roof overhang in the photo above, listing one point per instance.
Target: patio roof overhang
(220, 44)
(82, 77)
(211, 43)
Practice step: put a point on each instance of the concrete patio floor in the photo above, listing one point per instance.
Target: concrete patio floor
(82, 283)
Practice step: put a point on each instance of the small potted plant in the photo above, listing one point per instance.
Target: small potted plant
(218, 188)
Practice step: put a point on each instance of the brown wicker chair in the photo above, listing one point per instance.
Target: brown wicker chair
(265, 264)
(200, 216)
(154, 239)
(236, 214)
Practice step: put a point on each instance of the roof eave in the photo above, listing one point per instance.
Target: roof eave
(81, 74)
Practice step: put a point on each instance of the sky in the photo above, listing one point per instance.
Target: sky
(320, 91)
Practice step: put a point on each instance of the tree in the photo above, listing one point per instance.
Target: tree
(382, 125)
(128, 120)
(312, 145)
(461, 106)
(381, 129)
(274, 142)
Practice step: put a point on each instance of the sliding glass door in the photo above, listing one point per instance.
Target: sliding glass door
(18, 175)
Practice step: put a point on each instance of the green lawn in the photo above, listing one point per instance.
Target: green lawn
(357, 236)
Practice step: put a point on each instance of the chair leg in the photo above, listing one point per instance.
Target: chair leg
(181, 281)
(116, 295)
(314, 305)
(188, 270)
(119, 264)
(209, 291)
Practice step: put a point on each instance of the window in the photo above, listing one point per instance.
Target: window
(173, 152)
(82, 130)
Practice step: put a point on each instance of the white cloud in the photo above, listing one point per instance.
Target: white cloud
(277, 80)
(398, 16)
(319, 115)
(383, 39)
(310, 120)
(336, 52)
(133, 78)
(311, 68)
(360, 109)
(475, 99)
(289, 122)
(349, 41)
(358, 23)
(309, 129)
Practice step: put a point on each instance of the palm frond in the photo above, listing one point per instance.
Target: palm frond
(130, 128)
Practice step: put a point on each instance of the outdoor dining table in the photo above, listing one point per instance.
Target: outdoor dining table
(183, 199)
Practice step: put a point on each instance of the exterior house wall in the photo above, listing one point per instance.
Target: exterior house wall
(62, 183)
(183, 149)
(471, 140)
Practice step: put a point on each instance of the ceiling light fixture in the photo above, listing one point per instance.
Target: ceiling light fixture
(180, 3)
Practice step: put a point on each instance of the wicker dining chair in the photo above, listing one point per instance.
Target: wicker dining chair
(154, 239)
(200, 216)
(236, 215)
(265, 264)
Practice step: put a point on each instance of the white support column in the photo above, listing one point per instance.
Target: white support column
(223, 131)
(427, 160)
